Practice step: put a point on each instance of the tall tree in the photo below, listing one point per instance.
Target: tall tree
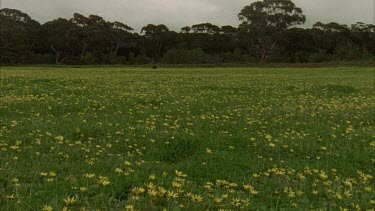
(92, 34)
(266, 20)
(207, 28)
(186, 29)
(18, 35)
(56, 37)
(101, 38)
(156, 37)
(364, 36)
(298, 44)
(228, 30)
(120, 37)
(331, 36)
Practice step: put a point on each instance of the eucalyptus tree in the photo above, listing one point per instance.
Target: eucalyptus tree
(92, 34)
(186, 29)
(19, 34)
(101, 38)
(364, 36)
(121, 37)
(298, 45)
(56, 37)
(206, 28)
(331, 36)
(228, 30)
(156, 38)
(265, 21)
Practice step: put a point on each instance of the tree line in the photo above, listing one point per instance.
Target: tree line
(268, 32)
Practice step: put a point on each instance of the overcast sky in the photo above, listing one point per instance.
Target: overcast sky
(178, 13)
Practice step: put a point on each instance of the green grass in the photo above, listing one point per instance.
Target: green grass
(243, 138)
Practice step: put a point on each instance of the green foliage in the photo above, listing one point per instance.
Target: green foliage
(235, 56)
(195, 56)
(266, 21)
(271, 15)
(18, 33)
(43, 59)
(340, 89)
(138, 59)
(266, 33)
(200, 138)
(88, 58)
(349, 52)
(177, 150)
(320, 56)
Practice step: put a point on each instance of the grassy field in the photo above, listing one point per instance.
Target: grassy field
(187, 138)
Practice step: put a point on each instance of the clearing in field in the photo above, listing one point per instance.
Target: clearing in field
(187, 139)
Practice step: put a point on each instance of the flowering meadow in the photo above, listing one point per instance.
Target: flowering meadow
(130, 138)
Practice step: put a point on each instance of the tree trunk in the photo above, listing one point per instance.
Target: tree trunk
(32, 44)
(114, 48)
(61, 61)
(57, 53)
(83, 52)
(263, 50)
(117, 47)
(264, 56)
(57, 58)
(6, 45)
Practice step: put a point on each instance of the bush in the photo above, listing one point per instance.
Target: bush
(195, 56)
(88, 58)
(138, 59)
(349, 52)
(320, 56)
(299, 57)
(43, 59)
(235, 56)
(121, 60)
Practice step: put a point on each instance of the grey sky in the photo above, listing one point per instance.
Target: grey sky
(178, 13)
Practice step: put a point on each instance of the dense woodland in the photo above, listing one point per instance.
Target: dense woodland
(268, 32)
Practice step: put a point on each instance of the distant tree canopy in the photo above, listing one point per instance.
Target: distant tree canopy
(18, 36)
(266, 21)
(267, 33)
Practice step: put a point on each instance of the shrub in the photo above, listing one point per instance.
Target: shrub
(349, 52)
(195, 56)
(88, 58)
(138, 59)
(43, 59)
